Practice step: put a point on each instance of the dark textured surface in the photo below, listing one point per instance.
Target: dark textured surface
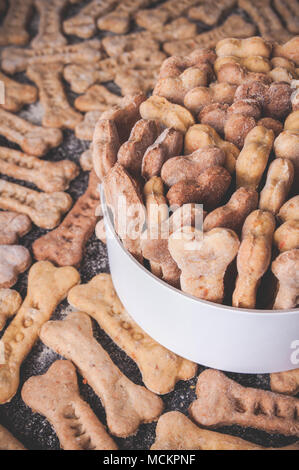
(32, 429)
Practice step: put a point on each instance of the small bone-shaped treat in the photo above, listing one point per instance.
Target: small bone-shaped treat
(14, 260)
(209, 13)
(278, 184)
(10, 302)
(234, 213)
(243, 48)
(235, 74)
(234, 25)
(286, 236)
(17, 94)
(33, 139)
(199, 97)
(175, 88)
(208, 189)
(253, 157)
(13, 28)
(49, 24)
(125, 201)
(97, 98)
(8, 441)
(84, 23)
(127, 405)
(131, 153)
(286, 145)
(134, 80)
(12, 227)
(56, 396)
(84, 129)
(46, 175)
(175, 431)
(168, 114)
(17, 60)
(65, 245)
(290, 210)
(254, 257)
(47, 287)
(286, 269)
(58, 112)
(174, 66)
(272, 124)
(190, 166)
(255, 64)
(160, 368)
(45, 210)
(203, 260)
(105, 147)
(289, 50)
(118, 21)
(202, 135)
(288, 9)
(223, 402)
(166, 146)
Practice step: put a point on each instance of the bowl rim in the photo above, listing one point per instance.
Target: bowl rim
(161, 283)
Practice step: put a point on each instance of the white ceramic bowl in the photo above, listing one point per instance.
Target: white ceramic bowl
(225, 338)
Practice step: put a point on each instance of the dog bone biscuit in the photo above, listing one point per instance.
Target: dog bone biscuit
(105, 147)
(289, 50)
(160, 368)
(33, 139)
(248, 407)
(46, 175)
(84, 130)
(290, 210)
(188, 167)
(199, 97)
(207, 188)
(286, 145)
(84, 23)
(209, 13)
(132, 81)
(286, 269)
(174, 66)
(56, 396)
(12, 227)
(254, 257)
(10, 302)
(125, 201)
(235, 211)
(234, 25)
(47, 287)
(65, 245)
(168, 114)
(271, 124)
(130, 154)
(285, 382)
(279, 180)
(288, 9)
(8, 441)
(13, 28)
(167, 145)
(175, 431)
(286, 236)
(244, 48)
(49, 24)
(58, 112)
(266, 19)
(153, 19)
(45, 210)
(97, 98)
(253, 158)
(127, 405)
(201, 135)
(203, 260)
(118, 21)
(235, 74)
(255, 64)
(17, 59)
(17, 94)
(14, 260)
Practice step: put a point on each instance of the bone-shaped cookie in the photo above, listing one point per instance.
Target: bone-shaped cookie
(105, 147)
(8, 441)
(47, 287)
(13, 29)
(46, 175)
(56, 396)
(12, 227)
(84, 23)
(45, 210)
(209, 13)
(10, 302)
(84, 130)
(14, 260)
(65, 245)
(286, 269)
(96, 98)
(153, 19)
(49, 24)
(175, 431)
(58, 112)
(289, 50)
(33, 139)
(160, 368)
(127, 405)
(135, 80)
(203, 260)
(17, 94)
(279, 180)
(17, 60)
(223, 402)
(118, 21)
